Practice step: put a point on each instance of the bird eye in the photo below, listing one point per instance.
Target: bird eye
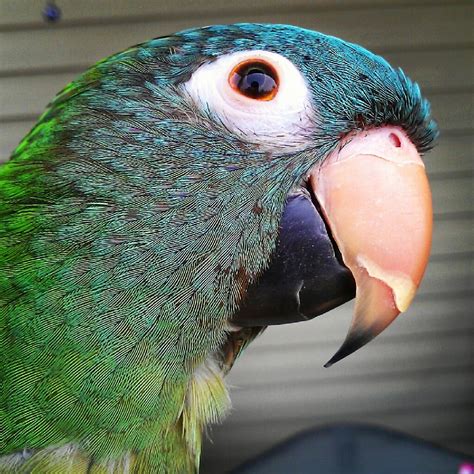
(255, 79)
(260, 96)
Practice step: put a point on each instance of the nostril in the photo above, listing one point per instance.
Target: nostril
(395, 139)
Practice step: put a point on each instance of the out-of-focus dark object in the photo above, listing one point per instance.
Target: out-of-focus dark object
(357, 449)
(51, 12)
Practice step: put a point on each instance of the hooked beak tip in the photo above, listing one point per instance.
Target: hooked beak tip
(355, 340)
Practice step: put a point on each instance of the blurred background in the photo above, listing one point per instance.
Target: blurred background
(418, 376)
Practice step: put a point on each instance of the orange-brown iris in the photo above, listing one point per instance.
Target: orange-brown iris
(255, 79)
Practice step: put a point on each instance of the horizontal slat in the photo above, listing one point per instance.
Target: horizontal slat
(453, 111)
(386, 357)
(453, 274)
(262, 404)
(30, 94)
(86, 44)
(452, 195)
(453, 236)
(10, 135)
(452, 154)
(435, 68)
(27, 13)
(221, 455)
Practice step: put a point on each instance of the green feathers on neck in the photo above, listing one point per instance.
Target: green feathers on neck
(177, 449)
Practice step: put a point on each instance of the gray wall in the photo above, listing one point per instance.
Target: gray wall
(417, 376)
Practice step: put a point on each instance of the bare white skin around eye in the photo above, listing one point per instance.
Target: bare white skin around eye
(287, 121)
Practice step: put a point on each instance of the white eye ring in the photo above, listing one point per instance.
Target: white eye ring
(287, 120)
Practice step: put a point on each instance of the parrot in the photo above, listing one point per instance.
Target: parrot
(174, 201)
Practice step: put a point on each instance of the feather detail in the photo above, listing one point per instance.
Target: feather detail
(52, 460)
(207, 401)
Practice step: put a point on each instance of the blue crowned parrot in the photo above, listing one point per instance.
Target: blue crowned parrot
(172, 202)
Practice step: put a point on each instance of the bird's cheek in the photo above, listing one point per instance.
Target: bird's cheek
(375, 197)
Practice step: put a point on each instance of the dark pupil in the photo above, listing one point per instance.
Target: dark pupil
(256, 81)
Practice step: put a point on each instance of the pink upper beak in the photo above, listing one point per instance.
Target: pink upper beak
(376, 200)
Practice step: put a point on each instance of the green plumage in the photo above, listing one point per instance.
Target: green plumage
(121, 262)
(131, 223)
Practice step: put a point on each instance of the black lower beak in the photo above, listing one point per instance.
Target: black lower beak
(305, 277)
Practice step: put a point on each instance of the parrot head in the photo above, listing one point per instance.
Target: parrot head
(343, 132)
